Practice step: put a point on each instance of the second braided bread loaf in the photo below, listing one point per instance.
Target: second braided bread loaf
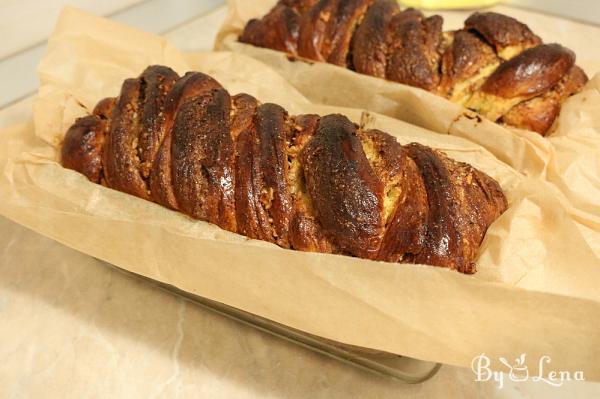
(494, 65)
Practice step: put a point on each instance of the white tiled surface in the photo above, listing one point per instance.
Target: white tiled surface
(26, 23)
(81, 329)
(23, 35)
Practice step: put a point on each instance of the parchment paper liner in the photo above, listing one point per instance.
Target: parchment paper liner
(535, 291)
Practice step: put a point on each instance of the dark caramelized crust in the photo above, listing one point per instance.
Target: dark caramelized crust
(121, 160)
(404, 198)
(105, 107)
(442, 242)
(433, 38)
(301, 182)
(250, 216)
(157, 81)
(539, 113)
(193, 84)
(326, 29)
(202, 159)
(409, 13)
(373, 37)
(243, 108)
(572, 83)
(349, 13)
(508, 36)
(278, 30)
(82, 148)
(313, 30)
(465, 65)
(306, 233)
(480, 201)
(346, 193)
(369, 48)
(407, 227)
(271, 148)
(414, 49)
(263, 201)
(386, 157)
(462, 201)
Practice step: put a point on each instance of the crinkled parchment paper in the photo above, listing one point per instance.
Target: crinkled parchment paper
(535, 292)
(568, 159)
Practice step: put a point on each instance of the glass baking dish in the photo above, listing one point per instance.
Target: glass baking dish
(401, 368)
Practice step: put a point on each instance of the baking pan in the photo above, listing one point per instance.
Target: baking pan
(401, 368)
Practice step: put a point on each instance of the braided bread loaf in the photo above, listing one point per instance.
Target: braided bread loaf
(495, 65)
(303, 182)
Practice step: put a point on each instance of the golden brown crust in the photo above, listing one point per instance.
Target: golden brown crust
(301, 182)
(132, 123)
(530, 73)
(465, 65)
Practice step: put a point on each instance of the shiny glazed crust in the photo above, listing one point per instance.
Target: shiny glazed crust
(303, 182)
